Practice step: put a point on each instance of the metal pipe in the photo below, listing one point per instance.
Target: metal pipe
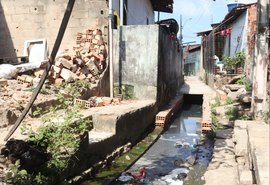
(111, 45)
(121, 12)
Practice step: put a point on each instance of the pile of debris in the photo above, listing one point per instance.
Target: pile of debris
(87, 60)
(97, 102)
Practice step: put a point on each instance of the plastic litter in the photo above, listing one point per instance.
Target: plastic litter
(125, 177)
(7, 71)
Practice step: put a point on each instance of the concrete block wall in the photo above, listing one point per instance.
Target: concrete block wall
(149, 60)
(136, 59)
(170, 67)
(35, 19)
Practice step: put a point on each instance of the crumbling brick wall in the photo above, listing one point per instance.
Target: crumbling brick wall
(35, 19)
(251, 32)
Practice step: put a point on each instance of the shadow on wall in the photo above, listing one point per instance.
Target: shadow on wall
(6, 44)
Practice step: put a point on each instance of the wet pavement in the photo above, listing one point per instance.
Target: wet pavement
(175, 153)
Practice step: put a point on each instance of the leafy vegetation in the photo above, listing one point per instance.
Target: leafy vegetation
(216, 103)
(266, 117)
(232, 62)
(229, 101)
(60, 136)
(246, 117)
(127, 91)
(75, 89)
(18, 176)
(215, 122)
(246, 82)
(231, 113)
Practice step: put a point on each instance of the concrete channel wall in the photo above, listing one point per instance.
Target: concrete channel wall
(148, 61)
(146, 53)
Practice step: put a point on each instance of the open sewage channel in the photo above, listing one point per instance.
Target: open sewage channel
(180, 155)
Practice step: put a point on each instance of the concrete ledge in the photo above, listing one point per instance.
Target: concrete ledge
(259, 150)
(124, 124)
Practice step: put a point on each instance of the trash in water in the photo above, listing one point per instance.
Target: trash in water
(176, 176)
(138, 176)
(182, 144)
(125, 177)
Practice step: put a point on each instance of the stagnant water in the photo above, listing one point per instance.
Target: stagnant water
(176, 154)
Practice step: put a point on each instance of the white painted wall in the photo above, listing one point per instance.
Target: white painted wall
(238, 37)
(139, 11)
(239, 34)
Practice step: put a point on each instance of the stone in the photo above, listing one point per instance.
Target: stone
(191, 160)
(246, 98)
(245, 177)
(66, 63)
(59, 81)
(99, 102)
(235, 79)
(67, 74)
(241, 142)
(3, 82)
(7, 117)
(56, 69)
(85, 70)
(224, 133)
(234, 87)
(107, 101)
(236, 94)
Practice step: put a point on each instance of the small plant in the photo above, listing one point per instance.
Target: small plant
(216, 103)
(17, 176)
(60, 138)
(266, 117)
(246, 117)
(231, 113)
(246, 82)
(229, 101)
(233, 62)
(215, 123)
(77, 88)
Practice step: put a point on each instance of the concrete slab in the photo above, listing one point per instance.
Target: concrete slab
(253, 136)
(193, 85)
(259, 146)
(222, 175)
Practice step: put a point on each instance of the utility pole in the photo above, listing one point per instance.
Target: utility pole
(181, 30)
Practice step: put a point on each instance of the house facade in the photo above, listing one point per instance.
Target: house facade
(192, 56)
(234, 34)
(38, 19)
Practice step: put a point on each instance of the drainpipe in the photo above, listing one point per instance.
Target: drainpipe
(111, 46)
(121, 12)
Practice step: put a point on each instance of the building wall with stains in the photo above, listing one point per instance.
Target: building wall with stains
(36, 19)
(260, 97)
(148, 63)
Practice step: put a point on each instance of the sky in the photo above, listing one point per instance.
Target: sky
(197, 16)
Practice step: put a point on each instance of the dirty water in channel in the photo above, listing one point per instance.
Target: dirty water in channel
(178, 156)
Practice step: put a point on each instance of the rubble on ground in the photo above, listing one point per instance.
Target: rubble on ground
(85, 61)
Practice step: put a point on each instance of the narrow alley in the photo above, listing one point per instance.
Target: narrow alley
(141, 92)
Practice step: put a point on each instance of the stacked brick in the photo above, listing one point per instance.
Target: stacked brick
(164, 116)
(96, 102)
(206, 124)
(86, 61)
